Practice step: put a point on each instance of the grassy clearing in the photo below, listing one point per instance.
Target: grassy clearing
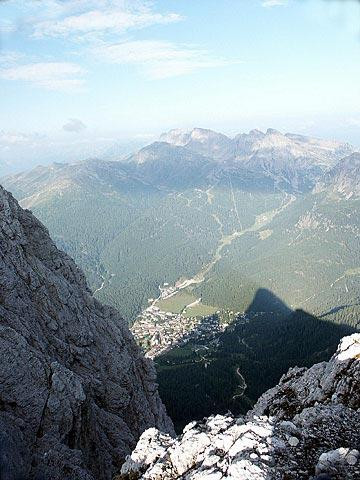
(353, 271)
(176, 303)
(199, 310)
(264, 234)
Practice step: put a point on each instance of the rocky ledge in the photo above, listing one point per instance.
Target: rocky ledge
(307, 427)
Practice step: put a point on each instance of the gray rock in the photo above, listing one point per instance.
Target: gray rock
(75, 390)
(335, 381)
(334, 460)
(293, 441)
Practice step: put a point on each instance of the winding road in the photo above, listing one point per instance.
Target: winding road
(241, 387)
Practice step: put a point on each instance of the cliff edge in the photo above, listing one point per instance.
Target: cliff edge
(75, 390)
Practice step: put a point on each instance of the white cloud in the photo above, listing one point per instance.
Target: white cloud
(159, 59)
(15, 138)
(50, 75)
(354, 122)
(100, 26)
(9, 58)
(74, 125)
(274, 3)
(6, 26)
(60, 8)
(113, 18)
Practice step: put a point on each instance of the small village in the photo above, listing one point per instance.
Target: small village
(158, 332)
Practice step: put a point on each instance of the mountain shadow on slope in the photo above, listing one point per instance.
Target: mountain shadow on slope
(206, 377)
(265, 301)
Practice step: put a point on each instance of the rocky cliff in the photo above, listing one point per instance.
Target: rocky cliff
(343, 180)
(75, 391)
(306, 427)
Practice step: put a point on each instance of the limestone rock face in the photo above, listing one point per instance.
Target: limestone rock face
(307, 427)
(75, 391)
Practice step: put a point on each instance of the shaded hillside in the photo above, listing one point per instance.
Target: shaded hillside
(261, 345)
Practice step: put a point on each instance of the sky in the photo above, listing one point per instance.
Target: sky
(80, 76)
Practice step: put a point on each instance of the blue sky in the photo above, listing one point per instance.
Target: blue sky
(78, 75)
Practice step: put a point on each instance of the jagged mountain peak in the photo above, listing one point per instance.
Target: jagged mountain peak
(273, 131)
(72, 379)
(200, 140)
(271, 152)
(176, 136)
(198, 132)
(255, 133)
(182, 137)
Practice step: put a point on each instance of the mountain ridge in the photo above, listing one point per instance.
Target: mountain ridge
(291, 161)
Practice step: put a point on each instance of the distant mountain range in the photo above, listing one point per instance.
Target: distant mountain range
(246, 146)
(282, 162)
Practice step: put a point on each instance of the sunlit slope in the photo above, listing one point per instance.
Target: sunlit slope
(308, 255)
(175, 238)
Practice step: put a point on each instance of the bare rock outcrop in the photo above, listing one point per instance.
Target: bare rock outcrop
(75, 390)
(307, 427)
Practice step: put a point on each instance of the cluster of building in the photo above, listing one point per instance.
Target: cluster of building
(157, 331)
(167, 291)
